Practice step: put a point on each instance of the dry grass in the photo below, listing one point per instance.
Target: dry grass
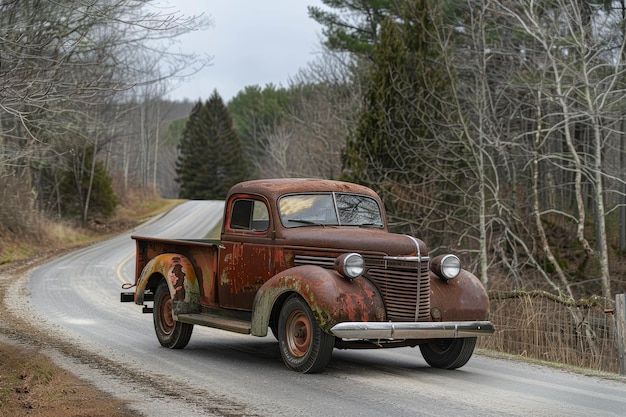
(30, 385)
(535, 326)
(49, 234)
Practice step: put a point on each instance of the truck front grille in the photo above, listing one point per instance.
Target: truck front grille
(404, 285)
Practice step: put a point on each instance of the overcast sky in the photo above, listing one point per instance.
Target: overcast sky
(252, 42)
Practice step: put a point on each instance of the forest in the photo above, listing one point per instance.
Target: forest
(491, 128)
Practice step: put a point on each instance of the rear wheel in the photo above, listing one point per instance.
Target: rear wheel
(171, 333)
(448, 353)
(304, 346)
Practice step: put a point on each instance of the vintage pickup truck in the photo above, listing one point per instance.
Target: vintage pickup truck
(313, 261)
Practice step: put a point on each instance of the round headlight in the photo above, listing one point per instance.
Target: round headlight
(350, 265)
(446, 266)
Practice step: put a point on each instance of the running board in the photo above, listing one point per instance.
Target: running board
(218, 322)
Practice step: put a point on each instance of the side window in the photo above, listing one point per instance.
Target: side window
(260, 216)
(249, 215)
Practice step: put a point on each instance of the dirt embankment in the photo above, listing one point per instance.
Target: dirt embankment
(31, 384)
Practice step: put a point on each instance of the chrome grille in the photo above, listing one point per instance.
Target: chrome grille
(323, 261)
(404, 285)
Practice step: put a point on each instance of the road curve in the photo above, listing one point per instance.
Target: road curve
(77, 297)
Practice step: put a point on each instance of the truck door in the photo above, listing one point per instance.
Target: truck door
(246, 254)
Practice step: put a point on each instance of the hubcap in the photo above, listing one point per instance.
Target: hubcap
(298, 333)
(166, 314)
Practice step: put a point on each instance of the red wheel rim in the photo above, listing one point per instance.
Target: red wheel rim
(298, 333)
(165, 313)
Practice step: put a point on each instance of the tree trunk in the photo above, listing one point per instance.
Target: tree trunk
(622, 209)
(91, 176)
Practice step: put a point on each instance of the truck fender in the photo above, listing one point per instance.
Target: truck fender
(461, 299)
(332, 298)
(181, 280)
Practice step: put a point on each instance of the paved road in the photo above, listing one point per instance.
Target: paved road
(222, 373)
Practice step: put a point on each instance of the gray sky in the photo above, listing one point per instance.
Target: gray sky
(252, 42)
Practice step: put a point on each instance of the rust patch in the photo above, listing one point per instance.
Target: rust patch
(177, 276)
(332, 298)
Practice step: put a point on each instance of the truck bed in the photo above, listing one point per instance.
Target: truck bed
(149, 247)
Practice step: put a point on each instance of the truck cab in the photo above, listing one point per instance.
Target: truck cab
(313, 261)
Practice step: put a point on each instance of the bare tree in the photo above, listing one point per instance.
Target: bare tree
(323, 101)
(503, 135)
(580, 72)
(63, 65)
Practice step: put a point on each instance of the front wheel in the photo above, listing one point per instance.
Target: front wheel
(304, 346)
(448, 353)
(172, 334)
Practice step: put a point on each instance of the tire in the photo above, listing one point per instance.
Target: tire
(304, 346)
(171, 333)
(448, 353)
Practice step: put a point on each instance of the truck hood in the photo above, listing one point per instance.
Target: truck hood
(354, 239)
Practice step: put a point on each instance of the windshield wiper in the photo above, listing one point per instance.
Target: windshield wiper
(304, 221)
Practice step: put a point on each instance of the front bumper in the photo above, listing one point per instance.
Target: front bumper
(417, 330)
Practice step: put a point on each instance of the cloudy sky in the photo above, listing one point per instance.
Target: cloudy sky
(252, 42)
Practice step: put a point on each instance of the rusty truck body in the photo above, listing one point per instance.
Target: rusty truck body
(312, 261)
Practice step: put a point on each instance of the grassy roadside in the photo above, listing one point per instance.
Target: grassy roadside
(30, 383)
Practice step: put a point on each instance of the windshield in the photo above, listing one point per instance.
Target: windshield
(333, 209)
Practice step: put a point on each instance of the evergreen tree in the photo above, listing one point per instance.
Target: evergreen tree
(210, 157)
(357, 29)
(393, 148)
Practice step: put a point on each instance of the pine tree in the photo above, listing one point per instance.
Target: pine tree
(210, 157)
(393, 147)
(355, 29)
(389, 126)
